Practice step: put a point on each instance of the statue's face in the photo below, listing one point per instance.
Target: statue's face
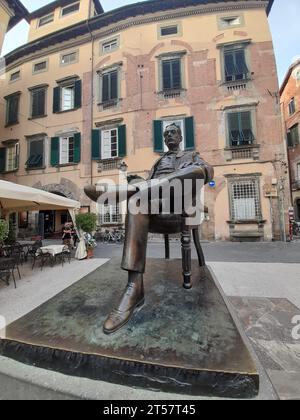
(173, 137)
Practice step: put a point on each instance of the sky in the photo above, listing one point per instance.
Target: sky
(284, 21)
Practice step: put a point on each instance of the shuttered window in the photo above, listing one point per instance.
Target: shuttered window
(293, 136)
(66, 150)
(67, 97)
(38, 102)
(171, 74)
(36, 154)
(240, 128)
(12, 110)
(235, 65)
(110, 86)
(9, 158)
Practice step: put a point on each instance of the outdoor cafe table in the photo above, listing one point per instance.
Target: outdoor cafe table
(54, 250)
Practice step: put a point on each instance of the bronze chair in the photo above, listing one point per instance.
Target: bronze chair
(174, 224)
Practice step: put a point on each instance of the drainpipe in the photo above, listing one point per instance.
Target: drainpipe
(92, 79)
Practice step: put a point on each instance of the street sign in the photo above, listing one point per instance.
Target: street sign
(212, 184)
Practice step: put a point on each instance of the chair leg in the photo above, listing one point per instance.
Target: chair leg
(186, 257)
(198, 246)
(167, 247)
(19, 273)
(14, 279)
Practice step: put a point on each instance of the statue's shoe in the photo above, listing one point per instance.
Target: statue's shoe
(132, 300)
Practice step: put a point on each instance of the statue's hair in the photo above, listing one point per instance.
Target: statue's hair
(177, 126)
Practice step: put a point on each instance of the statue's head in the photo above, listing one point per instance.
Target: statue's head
(173, 136)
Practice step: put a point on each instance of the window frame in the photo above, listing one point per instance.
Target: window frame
(295, 141)
(40, 62)
(112, 102)
(8, 122)
(34, 90)
(166, 57)
(239, 45)
(240, 110)
(103, 154)
(258, 198)
(68, 137)
(221, 21)
(62, 55)
(16, 148)
(38, 138)
(109, 41)
(163, 26)
(114, 211)
(292, 107)
(69, 6)
(44, 17)
(11, 80)
(63, 87)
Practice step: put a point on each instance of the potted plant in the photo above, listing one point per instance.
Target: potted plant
(87, 222)
(4, 231)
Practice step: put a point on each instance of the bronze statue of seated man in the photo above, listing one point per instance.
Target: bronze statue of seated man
(173, 165)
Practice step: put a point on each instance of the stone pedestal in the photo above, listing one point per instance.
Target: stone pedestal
(182, 341)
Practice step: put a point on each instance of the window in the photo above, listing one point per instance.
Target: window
(111, 45)
(293, 136)
(169, 30)
(110, 215)
(240, 128)
(110, 89)
(12, 109)
(9, 158)
(235, 65)
(39, 67)
(66, 150)
(15, 76)
(72, 8)
(35, 153)
(109, 144)
(38, 102)
(69, 58)
(298, 172)
(292, 106)
(245, 200)
(171, 74)
(230, 21)
(67, 96)
(45, 20)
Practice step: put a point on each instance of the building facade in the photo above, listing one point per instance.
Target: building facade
(91, 93)
(290, 102)
(11, 13)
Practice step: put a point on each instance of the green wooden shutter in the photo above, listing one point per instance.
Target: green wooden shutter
(78, 94)
(56, 100)
(189, 133)
(233, 128)
(2, 159)
(246, 126)
(96, 144)
(289, 139)
(158, 137)
(54, 151)
(77, 147)
(122, 140)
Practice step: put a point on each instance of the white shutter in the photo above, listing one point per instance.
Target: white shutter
(106, 144)
(64, 150)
